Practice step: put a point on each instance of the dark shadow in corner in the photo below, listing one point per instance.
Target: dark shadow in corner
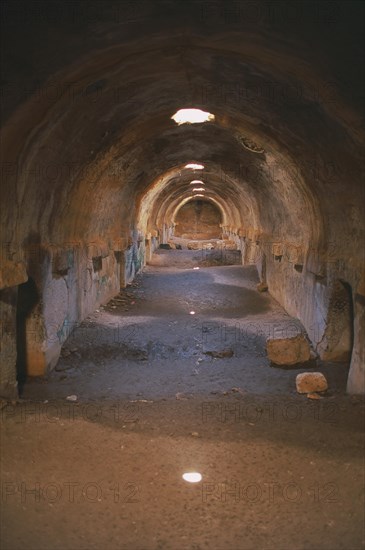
(351, 316)
(28, 298)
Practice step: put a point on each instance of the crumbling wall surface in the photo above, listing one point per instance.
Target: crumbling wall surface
(67, 283)
(322, 301)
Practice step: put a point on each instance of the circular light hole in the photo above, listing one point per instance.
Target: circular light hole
(192, 312)
(192, 477)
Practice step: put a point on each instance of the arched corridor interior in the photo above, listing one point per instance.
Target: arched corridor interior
(182, 275)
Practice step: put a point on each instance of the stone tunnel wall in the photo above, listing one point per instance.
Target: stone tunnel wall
(322, 290)
(68, 283)
(327, 295)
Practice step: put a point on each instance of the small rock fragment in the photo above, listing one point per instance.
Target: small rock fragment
(313, 395)
(237, 390)
(288, 351)
(220, 354)
(62, 368)
(180, 396)
(262, 287)
(310, 382)
(71, 398)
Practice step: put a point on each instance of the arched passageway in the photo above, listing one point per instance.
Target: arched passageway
(262, 191)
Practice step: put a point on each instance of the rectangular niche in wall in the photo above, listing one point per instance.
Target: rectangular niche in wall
(118, 256)
(97, 263)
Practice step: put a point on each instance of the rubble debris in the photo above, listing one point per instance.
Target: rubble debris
(310, 382)
(220, 354)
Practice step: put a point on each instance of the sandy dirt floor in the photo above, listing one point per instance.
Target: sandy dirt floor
(93, 454)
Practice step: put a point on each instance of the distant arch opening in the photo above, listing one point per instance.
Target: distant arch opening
(198, 219)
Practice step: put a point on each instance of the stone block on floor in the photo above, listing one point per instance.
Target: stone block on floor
(309, 382)
(288, 351)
